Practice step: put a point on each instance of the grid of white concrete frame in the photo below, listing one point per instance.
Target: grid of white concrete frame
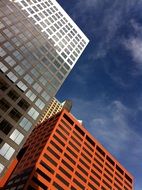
(39, 45)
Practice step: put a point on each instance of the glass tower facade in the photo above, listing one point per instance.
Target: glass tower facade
(39, 45)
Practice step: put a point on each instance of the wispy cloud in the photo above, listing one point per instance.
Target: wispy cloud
(134, 45)
(110, 17)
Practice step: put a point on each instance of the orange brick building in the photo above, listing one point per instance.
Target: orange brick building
(61, 154)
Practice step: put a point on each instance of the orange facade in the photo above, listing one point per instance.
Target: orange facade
(61, 154)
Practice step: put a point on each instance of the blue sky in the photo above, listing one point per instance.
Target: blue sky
(106, 83)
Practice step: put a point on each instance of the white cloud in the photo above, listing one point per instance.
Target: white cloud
(134, 45)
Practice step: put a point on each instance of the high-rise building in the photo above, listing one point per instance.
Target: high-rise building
(61, 154)
(54, 107)
(39, 45)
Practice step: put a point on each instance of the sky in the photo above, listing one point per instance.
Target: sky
(105, 85)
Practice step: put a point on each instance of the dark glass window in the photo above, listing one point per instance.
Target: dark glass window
(73, 146)
(88, 153)
(4, 105)
(61, 134)
(76, 141)
(39, 183)
(1, 140)
(109, 172)
(98, 162)
(23, 104)
(90, 140)
(118, 188)
(92, 186)
(107, 178)
(120, 170)
(15, 114)
(128, 178)
(69, 158)
(43, 174)
(89, 147)
(64, 129)
(95, 181)
(79, 130)
(65, 172)
(62, 179)
(81, 169)
(100, 151)
(66, 124)
(59, 141)
(68, 119)
(78, 136)
(97, 168)
(106, 184)
(50, 159)
(5, 126)
(84, 163)
(67, 165)
(99, 156)
(47, 167)
(72, 152)
(3, 85)
(94, 173)
(86, 158)
(53, 152)
(56, 146)
(80, 176)
(109, 166)
(57, 186)
(79, 184)
(110, 160)
(13, 95)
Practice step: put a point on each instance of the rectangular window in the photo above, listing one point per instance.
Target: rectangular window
(4, 105)
(110, 160)
(56, 146)
(46, 166)
(3, 85)
(39, 183)
(95, 181)
(67, 165)
(57, 186)
(15, 114)
(62, 179)
(53, 153)
(84, 163)
(59, 140)
(71, 152)
(61, 134)
(100, 151)
(79, 130)
(65, 172)
(7, 151)
(68, 119)
(16, 136)
(43, 175)
(81, 177)
(79, 184)
(82, 170)
(90, 140)
(69, 158)
(13, 95)
(50, 159)
(23, 104)
(33, 113)
(5, 126)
